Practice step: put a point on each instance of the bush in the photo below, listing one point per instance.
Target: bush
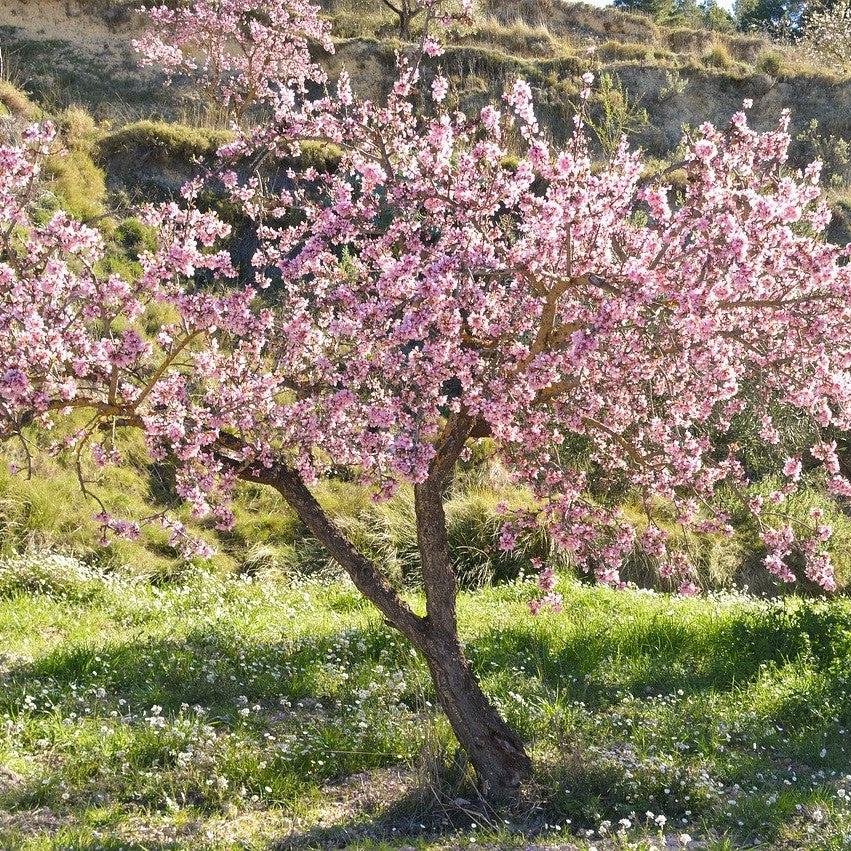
(134, 237)
(164, 141)
(770, 62)
(833, 151)
(77, 126)
(79, 185)
(323, 157)
(746, 48)
(685, 40)
(628, 51)
(14, 102)
(718, 57)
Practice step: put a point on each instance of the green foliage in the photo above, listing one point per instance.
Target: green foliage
(135, 237)
(322, 156)
(616, 113)
(718, 56)
(162, 140)
(659, 10)
(777, 17)
(77, 127)
(833, 151)
(675, 85)
(771, 62)
(15, 102)
(707, 15)
(79, 185)
(716, 17)
(48, 511)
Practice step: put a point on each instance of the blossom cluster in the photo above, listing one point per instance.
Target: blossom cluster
(243, 53)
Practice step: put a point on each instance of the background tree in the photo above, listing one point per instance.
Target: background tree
(660, 10)
(427, 294)
(827, 38)
(778, 18)
(689, 13)
(407, 11)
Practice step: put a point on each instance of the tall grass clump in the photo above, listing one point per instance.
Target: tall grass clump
(718, 56)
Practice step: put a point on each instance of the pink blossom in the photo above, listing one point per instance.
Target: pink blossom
(439, 88)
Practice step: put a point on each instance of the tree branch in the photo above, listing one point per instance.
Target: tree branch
(367, 578)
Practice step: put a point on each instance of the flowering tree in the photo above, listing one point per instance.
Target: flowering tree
(431, 292)
(242, 51)
(828, 36)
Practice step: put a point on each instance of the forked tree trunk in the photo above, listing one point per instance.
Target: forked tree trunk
(495, 751)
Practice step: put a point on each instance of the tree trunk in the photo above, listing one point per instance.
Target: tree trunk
(494, 749)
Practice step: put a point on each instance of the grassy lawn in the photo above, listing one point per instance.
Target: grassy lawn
(231, 714)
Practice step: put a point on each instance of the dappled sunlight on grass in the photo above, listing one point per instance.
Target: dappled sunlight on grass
(228, 709)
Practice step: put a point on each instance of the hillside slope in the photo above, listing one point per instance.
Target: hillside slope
(64, 52)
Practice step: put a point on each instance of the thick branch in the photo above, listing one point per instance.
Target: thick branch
(365, 575)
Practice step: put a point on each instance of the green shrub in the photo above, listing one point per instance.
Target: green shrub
(134, 237)
(15, 102)
(770, 62)
(79, 185)
(163, 140)
(627, 51)
(77, 126)
(686, 40)
(718, 57)
(675, 85)
(48, 511)
(616, 113)
(323, 157)
(833, 151)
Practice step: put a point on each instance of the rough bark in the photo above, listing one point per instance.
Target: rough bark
(495, 751)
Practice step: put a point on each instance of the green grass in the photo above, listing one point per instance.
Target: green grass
(230, 714)
(161, 139)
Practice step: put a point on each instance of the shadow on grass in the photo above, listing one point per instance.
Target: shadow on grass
(589, 661)
(586, 659)
(598, 663)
